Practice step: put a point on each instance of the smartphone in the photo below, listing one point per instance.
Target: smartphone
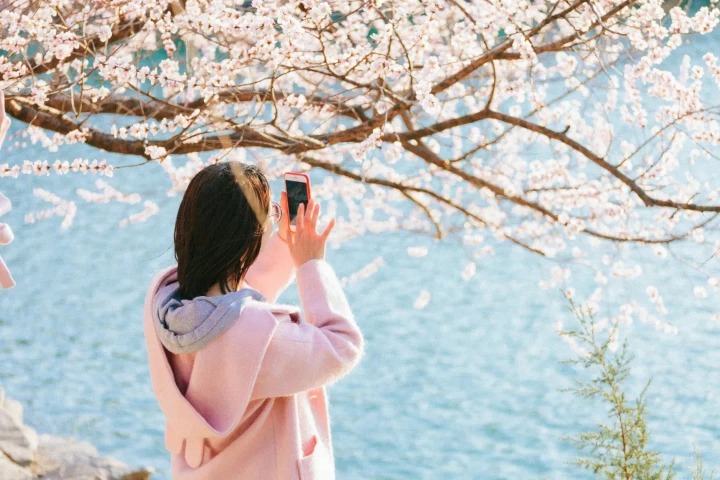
(297, 186)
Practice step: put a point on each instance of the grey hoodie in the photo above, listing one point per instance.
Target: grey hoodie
(185, 326)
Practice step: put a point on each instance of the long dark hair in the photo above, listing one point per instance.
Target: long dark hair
(219, 227)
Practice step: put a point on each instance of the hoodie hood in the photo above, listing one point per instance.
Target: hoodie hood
(186, 326)
(222, 376)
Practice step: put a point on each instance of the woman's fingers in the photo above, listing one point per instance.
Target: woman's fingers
(311, 215)
(300, 218)
(309, 211)
(284, 217)
(326, 233)
(315, 213)
(308, 218)
(306, 243)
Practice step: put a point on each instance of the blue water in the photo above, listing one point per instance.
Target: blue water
(468, 388)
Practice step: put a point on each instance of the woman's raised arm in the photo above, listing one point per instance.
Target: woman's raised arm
(272, 272)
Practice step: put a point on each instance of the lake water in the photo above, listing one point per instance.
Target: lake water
(468, 388)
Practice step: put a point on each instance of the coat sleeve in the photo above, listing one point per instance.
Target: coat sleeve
(272, 272)
(319, 348)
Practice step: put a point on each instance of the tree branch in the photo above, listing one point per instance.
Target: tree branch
(500, 49)
(613, 170)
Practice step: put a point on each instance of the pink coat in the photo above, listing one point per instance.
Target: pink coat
(251, 404)
(6, 234)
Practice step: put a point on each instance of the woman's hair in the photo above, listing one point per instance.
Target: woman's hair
(219, 227)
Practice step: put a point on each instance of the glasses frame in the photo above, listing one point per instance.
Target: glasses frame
(275, 212)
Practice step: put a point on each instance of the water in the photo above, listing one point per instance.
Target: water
(468, 388)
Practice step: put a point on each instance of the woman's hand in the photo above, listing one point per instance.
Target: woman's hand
(305, 243)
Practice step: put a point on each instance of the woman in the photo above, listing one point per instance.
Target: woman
(239, 378)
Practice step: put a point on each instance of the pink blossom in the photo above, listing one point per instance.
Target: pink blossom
(151, 208)
(422, 300)
(417, 251)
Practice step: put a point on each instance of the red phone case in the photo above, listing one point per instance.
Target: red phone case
(302, 175)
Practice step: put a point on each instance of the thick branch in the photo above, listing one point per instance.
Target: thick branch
(123, 105)
(436, 128)
(244, 137)
(428, 156)
(405, 190)
(602, 163)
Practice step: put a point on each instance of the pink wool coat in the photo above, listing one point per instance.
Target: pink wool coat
(251, 404)
(6, 234)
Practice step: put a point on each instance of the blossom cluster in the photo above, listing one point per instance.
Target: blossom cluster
(66, 209)
(492, 119)
(365, 272)
(106, 194)
(59, 167)
(150, 209)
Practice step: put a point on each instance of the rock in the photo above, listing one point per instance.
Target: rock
(24, 455)
(16, 441)
(67, 459)
(139, 475)
(64, 450)
(14, 408)
(31, 436)
(9, 470)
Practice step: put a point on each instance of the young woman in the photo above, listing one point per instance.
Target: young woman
(239, 378)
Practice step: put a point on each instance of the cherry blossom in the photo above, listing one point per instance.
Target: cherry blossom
(365, 272)
(559, 131)
(469, 271)
(106, 194)
(422, 300)
(417, 251)
(61, 208)
(151, 208)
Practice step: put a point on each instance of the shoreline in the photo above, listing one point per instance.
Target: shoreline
(27, 455)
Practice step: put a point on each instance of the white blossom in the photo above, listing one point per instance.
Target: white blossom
(699, 292)
(365, 272)
(417, 251)
(469, 271)
(61, 208)
(106, 194)
(422, 300)
(257, 83)
(151, 208)
(105, 33)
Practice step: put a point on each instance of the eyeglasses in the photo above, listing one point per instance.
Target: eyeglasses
(275, 212)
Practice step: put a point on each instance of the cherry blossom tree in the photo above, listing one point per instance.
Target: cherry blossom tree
(554, 125)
